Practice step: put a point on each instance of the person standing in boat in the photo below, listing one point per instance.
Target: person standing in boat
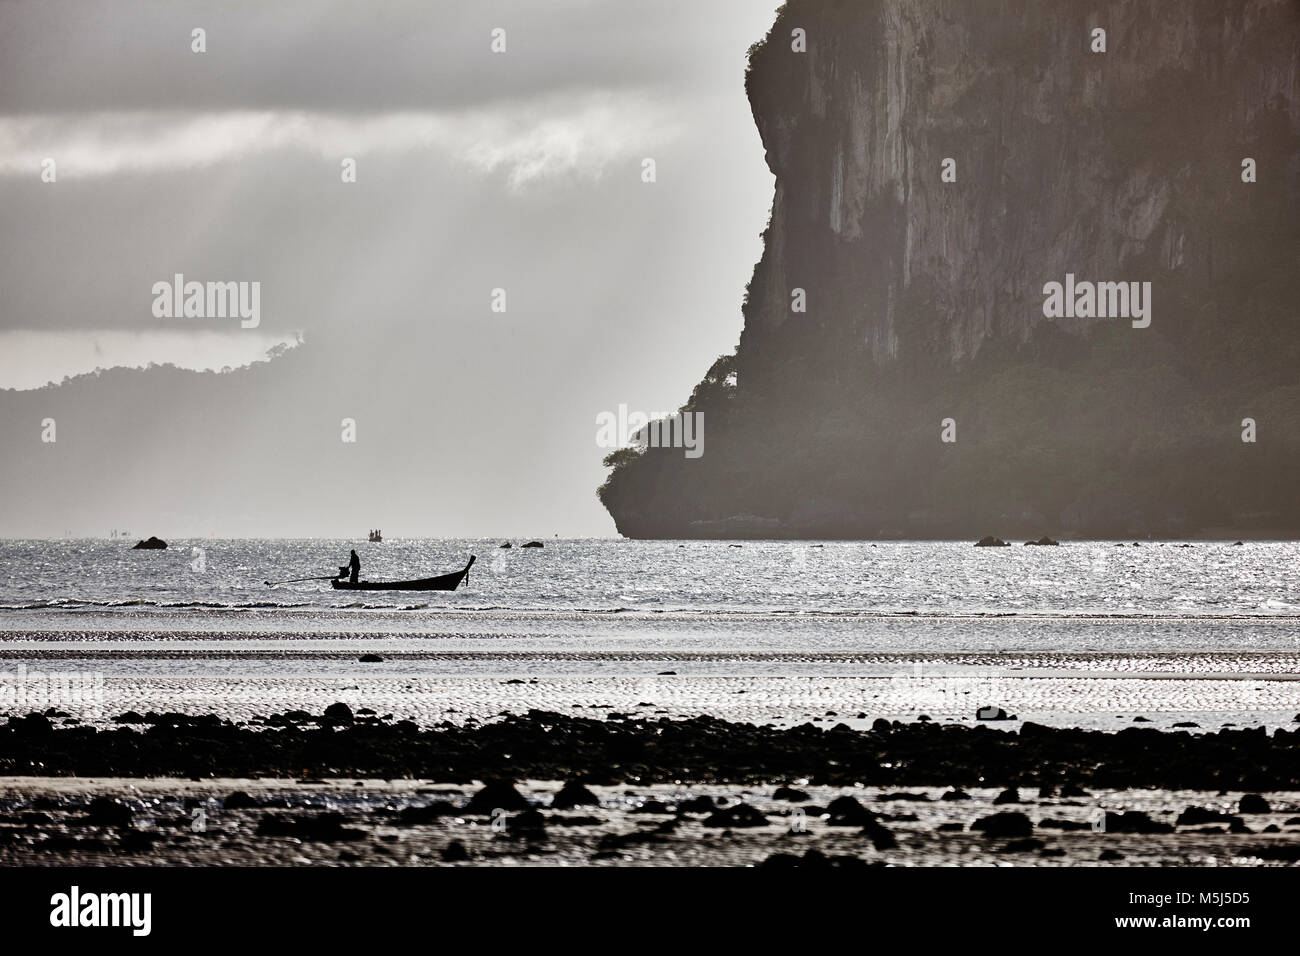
(352, 569)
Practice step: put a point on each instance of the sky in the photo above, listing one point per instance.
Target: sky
(475, 171)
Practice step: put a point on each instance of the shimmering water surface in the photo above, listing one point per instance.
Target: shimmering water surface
(1089, 632)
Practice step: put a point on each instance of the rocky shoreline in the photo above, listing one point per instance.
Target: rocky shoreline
(345, 788)
(626, 748)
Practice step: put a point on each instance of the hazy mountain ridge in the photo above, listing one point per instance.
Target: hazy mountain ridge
(925, 298)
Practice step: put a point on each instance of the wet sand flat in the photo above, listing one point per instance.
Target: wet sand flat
(1101, 700)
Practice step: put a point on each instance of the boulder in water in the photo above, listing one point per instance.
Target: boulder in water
(790, 794)
(338, 714)
(1199, 816)
(496, 795)
(846, 811)
(988, 541)
(1253, 803)
(574, 794)
(150, 544)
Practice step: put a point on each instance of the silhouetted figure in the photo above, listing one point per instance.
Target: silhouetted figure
(352, 569)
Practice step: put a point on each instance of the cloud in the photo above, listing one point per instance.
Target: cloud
(528, 141)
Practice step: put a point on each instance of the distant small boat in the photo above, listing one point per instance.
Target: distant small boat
(443, 582)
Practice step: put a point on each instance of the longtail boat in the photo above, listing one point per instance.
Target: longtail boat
(443, 582)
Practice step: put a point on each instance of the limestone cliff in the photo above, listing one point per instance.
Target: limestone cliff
(924, 292)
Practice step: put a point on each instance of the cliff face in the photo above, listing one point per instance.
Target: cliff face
(925, 297)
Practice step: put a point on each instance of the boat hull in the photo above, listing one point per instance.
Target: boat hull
(443, 582)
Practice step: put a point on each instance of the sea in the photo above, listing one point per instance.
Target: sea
(1175, 635)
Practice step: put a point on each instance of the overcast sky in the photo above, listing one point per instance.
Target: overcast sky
(474, 171)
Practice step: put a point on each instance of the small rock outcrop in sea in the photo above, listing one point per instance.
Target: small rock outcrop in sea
(506, 545)
(533, 544)
(1253, 803)
(1009, 795)
(1198, 816)
(371, 659)
(993, 713)
(1044, 541)
(574, 794)
(338, 714)
(701, 804)
(1051, 823)
(790, 794)
(846, 811)
(496, 795)
(150, 544)
(529, 823)
(988, 541)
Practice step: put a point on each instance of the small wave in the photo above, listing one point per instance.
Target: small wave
(84, 603)
(1272, 609)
